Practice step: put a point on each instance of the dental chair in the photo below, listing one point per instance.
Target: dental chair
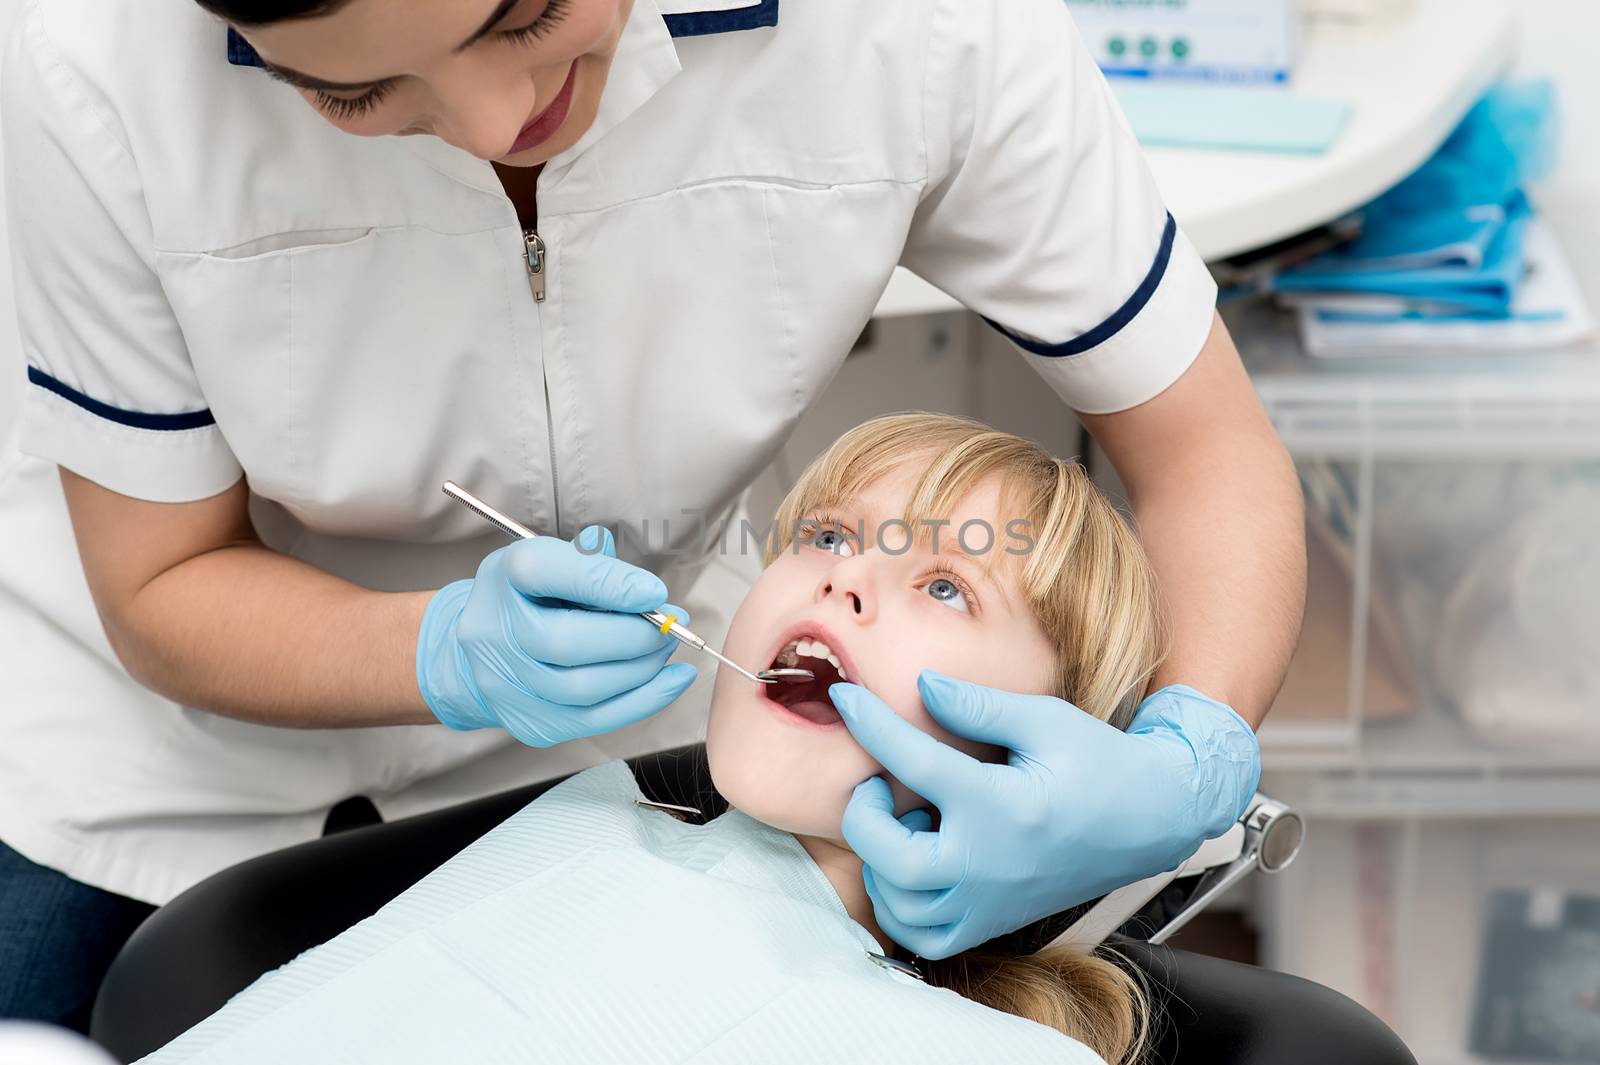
(214, 940)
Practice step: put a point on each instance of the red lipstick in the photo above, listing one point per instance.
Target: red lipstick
(550, 119)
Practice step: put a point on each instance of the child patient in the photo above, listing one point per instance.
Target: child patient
(590, 927)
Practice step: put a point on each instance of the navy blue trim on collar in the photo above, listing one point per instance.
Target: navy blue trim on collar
(1118, 321)
(240, 54)
(137, 419)
(704, 23)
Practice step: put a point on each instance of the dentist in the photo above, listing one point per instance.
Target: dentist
(284, 266)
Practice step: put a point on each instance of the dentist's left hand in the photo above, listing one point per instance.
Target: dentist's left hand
(545, 642)
(1077, 809)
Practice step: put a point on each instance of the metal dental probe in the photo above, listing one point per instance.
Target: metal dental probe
(666, 624)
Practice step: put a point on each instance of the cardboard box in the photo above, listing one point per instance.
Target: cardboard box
(1212, 40)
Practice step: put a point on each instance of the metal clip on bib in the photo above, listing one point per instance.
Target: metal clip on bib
(895, 965)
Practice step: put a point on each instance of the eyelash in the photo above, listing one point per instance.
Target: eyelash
(812, 527)
(826, 522)
(342, 108)
(554, 12)
(345, 109)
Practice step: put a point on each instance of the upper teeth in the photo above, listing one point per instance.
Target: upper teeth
(818, 649)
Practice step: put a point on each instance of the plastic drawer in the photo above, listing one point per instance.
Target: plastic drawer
(1475, 941)
(1453, 616)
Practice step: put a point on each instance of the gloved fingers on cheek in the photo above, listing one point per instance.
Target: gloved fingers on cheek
(569, 637)
(908, 858)
(988, 715)
(638, 704)
(924, 765)
(591, 685)
(919, 908)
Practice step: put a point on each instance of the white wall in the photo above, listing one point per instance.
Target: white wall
(1558, 42)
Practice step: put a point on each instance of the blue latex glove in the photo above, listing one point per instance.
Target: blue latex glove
(545, 643)
(1079, 808)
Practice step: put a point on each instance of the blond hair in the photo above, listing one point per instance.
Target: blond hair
(1083, 572)
(1087, 580)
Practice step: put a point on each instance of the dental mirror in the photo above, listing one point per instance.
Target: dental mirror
(785, 676)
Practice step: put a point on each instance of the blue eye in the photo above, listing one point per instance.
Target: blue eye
(947, 591)
(827, 534)
(834, 540)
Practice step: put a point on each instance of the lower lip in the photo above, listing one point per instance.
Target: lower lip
(825, 710)
(544, 127)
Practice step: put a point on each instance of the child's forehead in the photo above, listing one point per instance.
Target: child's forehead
(889, 495)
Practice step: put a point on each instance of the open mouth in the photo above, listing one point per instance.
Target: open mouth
(808, 700)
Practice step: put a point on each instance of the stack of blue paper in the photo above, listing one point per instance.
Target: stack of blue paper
(1450, 241)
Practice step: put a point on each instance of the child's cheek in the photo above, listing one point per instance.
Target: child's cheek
(982, 752)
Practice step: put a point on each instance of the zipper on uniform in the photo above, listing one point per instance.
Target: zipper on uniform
(533, 250)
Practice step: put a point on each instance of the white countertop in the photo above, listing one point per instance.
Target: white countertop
(1409, 83)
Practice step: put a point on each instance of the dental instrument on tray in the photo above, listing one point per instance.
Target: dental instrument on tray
(665, 622)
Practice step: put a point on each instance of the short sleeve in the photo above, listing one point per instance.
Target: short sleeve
(1041, 214)
(111, 392)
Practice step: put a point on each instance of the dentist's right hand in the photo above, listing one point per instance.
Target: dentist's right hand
(546, 643)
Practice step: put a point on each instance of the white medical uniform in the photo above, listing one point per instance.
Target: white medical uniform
(214, 282)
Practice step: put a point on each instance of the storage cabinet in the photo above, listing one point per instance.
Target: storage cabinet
(1475, 940)
(1440, 727)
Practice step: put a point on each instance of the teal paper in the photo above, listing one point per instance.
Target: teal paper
(1252, 120)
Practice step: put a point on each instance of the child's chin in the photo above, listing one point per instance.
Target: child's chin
(798, 816)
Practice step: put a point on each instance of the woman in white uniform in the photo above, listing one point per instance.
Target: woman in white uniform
(592, 259)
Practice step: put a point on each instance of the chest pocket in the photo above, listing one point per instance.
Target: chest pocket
(288, 242)
(353, 374)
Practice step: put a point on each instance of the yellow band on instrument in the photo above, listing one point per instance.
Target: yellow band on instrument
(666, 626)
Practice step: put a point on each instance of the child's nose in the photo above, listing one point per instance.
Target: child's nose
(852, 598)
(850, 583)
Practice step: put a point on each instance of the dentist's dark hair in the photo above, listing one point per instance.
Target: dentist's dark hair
(262, 12)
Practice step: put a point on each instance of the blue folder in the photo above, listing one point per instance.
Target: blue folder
(1486, 288)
